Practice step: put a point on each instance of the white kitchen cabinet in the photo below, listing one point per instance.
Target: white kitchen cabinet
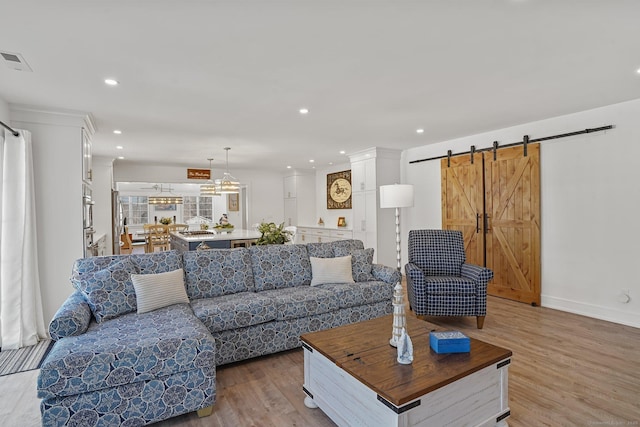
(290, 184)
(322, 234)
(299, 200)
(290, 211)
(363, 174)
(365, 219)
(370, 169)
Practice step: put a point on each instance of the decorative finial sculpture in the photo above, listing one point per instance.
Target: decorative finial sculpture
(399, 319)
(405, 348)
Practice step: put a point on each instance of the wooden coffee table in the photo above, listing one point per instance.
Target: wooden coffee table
(352, 374)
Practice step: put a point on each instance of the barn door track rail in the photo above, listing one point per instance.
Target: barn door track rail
(525, 141)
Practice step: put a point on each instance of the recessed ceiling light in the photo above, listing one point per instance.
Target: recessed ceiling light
(311, 161)
(111, 82)
(420, 130)
(288, 167)
(121, 158)
(638, 71)
(117, 132)
(119, 147)
(304, 111)
(330, 163)
(342, 152)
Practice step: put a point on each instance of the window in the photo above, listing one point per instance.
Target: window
(194, 206)
(135, 209)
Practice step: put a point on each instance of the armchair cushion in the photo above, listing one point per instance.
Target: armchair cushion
(449, 285)
(437, 252)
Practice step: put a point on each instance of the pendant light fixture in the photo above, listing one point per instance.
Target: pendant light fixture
(228, 184)
(165, 199)
(209, 188)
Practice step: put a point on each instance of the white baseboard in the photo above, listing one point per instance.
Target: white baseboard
(598, 312)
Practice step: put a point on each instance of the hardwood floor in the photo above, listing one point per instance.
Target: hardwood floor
(566, 370)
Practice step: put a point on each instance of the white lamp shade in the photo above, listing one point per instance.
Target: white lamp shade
(396, 196)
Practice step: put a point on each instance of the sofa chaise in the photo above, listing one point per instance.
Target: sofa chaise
(139, 339)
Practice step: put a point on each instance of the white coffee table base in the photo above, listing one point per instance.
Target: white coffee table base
(479, 399)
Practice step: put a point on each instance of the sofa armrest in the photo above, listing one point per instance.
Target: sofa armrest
(72, 318)
(386, 274)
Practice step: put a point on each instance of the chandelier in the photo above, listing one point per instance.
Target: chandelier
(228, 184)
(165, 199)
(209, 188)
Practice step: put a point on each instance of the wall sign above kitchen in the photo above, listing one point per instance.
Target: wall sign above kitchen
(198, 173)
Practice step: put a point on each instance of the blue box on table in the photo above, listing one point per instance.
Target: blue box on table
(449, 342)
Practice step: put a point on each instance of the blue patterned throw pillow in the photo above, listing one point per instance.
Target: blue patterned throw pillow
(361, 262)
(109, 292)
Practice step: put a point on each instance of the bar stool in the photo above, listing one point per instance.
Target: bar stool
(158, 238)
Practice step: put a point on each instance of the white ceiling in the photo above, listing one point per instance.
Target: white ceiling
(197, 76)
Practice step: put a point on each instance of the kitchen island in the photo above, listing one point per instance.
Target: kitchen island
(190, 240)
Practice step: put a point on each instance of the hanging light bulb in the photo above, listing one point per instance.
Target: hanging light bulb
(209, 188)
(228, 184)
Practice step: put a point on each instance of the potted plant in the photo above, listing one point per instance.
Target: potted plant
(272, 234)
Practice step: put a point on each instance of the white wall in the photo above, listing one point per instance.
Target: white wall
(4, 111)
(590, 200)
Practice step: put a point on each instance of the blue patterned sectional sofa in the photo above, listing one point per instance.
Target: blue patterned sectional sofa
(113, 364)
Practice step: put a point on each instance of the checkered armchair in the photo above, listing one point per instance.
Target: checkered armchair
(439, 282)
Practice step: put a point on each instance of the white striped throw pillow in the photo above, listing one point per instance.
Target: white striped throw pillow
(154, 291)
(331, 270)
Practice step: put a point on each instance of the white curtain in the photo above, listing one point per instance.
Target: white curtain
(21, 316)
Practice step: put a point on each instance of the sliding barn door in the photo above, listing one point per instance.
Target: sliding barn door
(462, 205)
(496, 204)
(512, 193)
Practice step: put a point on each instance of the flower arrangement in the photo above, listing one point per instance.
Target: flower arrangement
(165, 220)
(273, 234)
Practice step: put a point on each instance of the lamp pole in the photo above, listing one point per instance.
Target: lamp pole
(397, 196)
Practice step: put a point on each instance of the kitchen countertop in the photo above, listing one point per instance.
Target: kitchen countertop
(236, 234)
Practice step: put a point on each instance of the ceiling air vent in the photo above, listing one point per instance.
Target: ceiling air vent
(15, 61)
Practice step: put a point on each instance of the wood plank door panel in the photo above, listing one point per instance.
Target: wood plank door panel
(462, 202)
(512, 195)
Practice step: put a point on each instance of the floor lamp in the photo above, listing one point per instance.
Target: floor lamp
(397, 196)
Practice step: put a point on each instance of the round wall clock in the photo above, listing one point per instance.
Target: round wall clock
(339, 190)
